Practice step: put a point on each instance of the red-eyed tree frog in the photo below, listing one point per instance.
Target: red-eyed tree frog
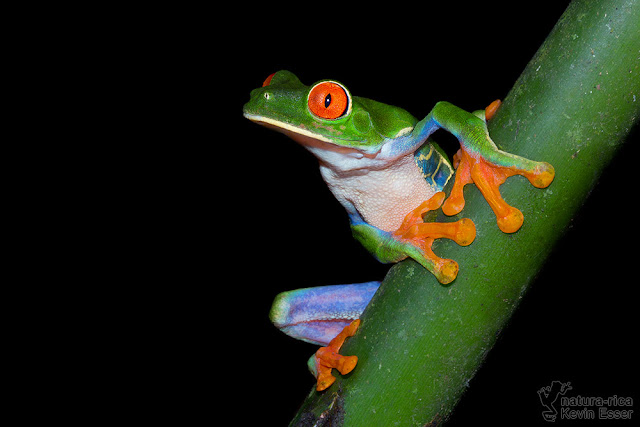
(379, 163)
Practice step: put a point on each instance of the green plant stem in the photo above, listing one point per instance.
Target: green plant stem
(421, 342)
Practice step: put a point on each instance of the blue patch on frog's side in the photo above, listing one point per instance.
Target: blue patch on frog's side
(434, 166)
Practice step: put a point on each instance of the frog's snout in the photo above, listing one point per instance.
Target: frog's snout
(258, 101)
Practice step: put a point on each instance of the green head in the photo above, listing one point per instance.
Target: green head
(325, 111)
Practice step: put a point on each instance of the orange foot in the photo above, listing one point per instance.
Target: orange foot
(488, 168)
(329, 357)
(421, 235)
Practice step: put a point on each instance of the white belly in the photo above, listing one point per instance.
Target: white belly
(382, 197)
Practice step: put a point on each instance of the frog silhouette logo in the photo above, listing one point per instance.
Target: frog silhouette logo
(549, 395)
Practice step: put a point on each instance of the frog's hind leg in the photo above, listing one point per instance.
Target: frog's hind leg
(316, 315)
(327, 358)
(327, 316)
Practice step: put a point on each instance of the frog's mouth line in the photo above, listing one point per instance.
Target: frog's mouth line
(287, 128)
(313, 141)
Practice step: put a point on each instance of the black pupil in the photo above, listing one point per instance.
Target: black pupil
(327, 101)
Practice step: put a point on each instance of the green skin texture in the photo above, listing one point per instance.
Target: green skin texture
(377, 130)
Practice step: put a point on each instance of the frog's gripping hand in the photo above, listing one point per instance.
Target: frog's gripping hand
(488, 176)
(480, 161)
(414, 239)
(421, 235)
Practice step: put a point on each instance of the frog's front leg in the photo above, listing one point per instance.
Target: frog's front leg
(481, 162)
(414, 239)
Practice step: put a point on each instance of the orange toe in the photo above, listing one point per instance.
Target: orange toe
(421, 235)
(488, 177)
(329, 357)
(492, 109)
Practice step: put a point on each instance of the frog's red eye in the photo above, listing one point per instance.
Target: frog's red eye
(328, 100)
(268, 80)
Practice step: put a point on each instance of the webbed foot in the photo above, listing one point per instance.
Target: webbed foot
(421, 235)
(327, 358)
(481, 162)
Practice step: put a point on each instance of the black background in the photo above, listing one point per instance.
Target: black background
(282, 229)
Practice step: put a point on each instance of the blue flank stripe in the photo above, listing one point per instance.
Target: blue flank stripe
(435, 168)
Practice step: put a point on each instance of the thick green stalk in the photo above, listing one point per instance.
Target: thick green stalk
(420, 342)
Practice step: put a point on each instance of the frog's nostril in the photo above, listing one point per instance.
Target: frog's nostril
(268, 80)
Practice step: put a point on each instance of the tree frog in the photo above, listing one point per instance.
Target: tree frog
(380, 165)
